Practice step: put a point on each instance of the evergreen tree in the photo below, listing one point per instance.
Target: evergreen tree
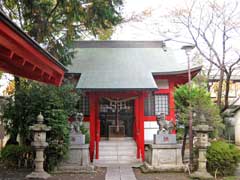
(56, 23)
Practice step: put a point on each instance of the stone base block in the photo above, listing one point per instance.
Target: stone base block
(77, 139)
(78, 160)
(147, 168)
(159, 158)
(201, 175)
(78, 154)
(164, 138)
(38, 175)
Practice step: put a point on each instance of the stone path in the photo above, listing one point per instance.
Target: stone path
(120, 173)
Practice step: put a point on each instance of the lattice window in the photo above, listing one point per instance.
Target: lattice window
(161, 104)
(83, 105)
(149, 105)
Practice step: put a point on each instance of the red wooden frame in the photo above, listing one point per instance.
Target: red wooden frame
(22, 56)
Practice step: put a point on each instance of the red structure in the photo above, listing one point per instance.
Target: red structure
(22, 56)
(124, 85)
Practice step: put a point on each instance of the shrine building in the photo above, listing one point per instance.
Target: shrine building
(124, 85)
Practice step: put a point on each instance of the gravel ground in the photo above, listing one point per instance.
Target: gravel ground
(21, 173)
(159, 176)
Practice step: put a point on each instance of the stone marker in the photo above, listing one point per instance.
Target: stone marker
(39, 129)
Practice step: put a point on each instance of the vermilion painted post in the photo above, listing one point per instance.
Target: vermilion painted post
(92, 124)
(141, 124)
(97, 126)
(172, 104)
(136, 105)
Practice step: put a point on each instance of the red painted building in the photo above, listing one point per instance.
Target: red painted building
(124, 84)
(22, 56)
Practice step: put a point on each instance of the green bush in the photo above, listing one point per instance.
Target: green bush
(55, 103)
(222, 158)
(201, 103)
(13, 154)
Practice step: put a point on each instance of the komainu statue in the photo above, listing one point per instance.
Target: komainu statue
(165, 126)
(76, 122)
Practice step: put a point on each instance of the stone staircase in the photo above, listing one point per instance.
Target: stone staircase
(117, 151)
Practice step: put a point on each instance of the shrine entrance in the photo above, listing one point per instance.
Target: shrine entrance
(116, 117)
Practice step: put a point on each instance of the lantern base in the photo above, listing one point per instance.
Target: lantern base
(201, 175)
(38, 175)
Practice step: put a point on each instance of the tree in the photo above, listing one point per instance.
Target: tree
(201, 103)
(213, 28)
(55, 24)
(56, 105)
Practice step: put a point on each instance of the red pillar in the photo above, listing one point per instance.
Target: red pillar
(137, 130)
(141, 124)
(92, 124)
(172, 104)
(97, 120)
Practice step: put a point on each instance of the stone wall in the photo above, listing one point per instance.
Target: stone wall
(237, 128)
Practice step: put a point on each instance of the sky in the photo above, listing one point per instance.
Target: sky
(154, 26)
(147, 28)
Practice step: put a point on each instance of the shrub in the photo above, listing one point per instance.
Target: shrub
(222, 158)
(201, 103)
(12, 155)
(55, 103)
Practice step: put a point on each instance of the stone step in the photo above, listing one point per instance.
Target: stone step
(126, 157)
(129, 152)
(117, 152)
(114, 148)
(116, 143)
(131, 155)
(119, 138)
(109, 162)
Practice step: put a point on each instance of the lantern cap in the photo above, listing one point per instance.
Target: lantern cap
(40, 118)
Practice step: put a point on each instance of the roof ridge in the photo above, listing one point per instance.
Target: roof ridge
(118, 44)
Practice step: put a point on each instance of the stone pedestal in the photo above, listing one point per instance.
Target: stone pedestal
(78, 160)
(163, 158)
(77, 139)
(201, 173)
(162, 138)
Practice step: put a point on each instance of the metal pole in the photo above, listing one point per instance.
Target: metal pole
(187, 49)
(190, 116)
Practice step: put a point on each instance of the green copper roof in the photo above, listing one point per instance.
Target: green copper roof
(122, 64)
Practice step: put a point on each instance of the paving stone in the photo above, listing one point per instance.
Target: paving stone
(120, 173)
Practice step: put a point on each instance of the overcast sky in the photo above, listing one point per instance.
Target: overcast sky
(154, 26)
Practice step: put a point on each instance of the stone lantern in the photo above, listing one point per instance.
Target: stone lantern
(39, 130)
(202, 130)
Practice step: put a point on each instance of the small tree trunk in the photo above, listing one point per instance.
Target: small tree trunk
(14, 132)
(228, 81)
(184, 142)
(220, 87)
(208, 77)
